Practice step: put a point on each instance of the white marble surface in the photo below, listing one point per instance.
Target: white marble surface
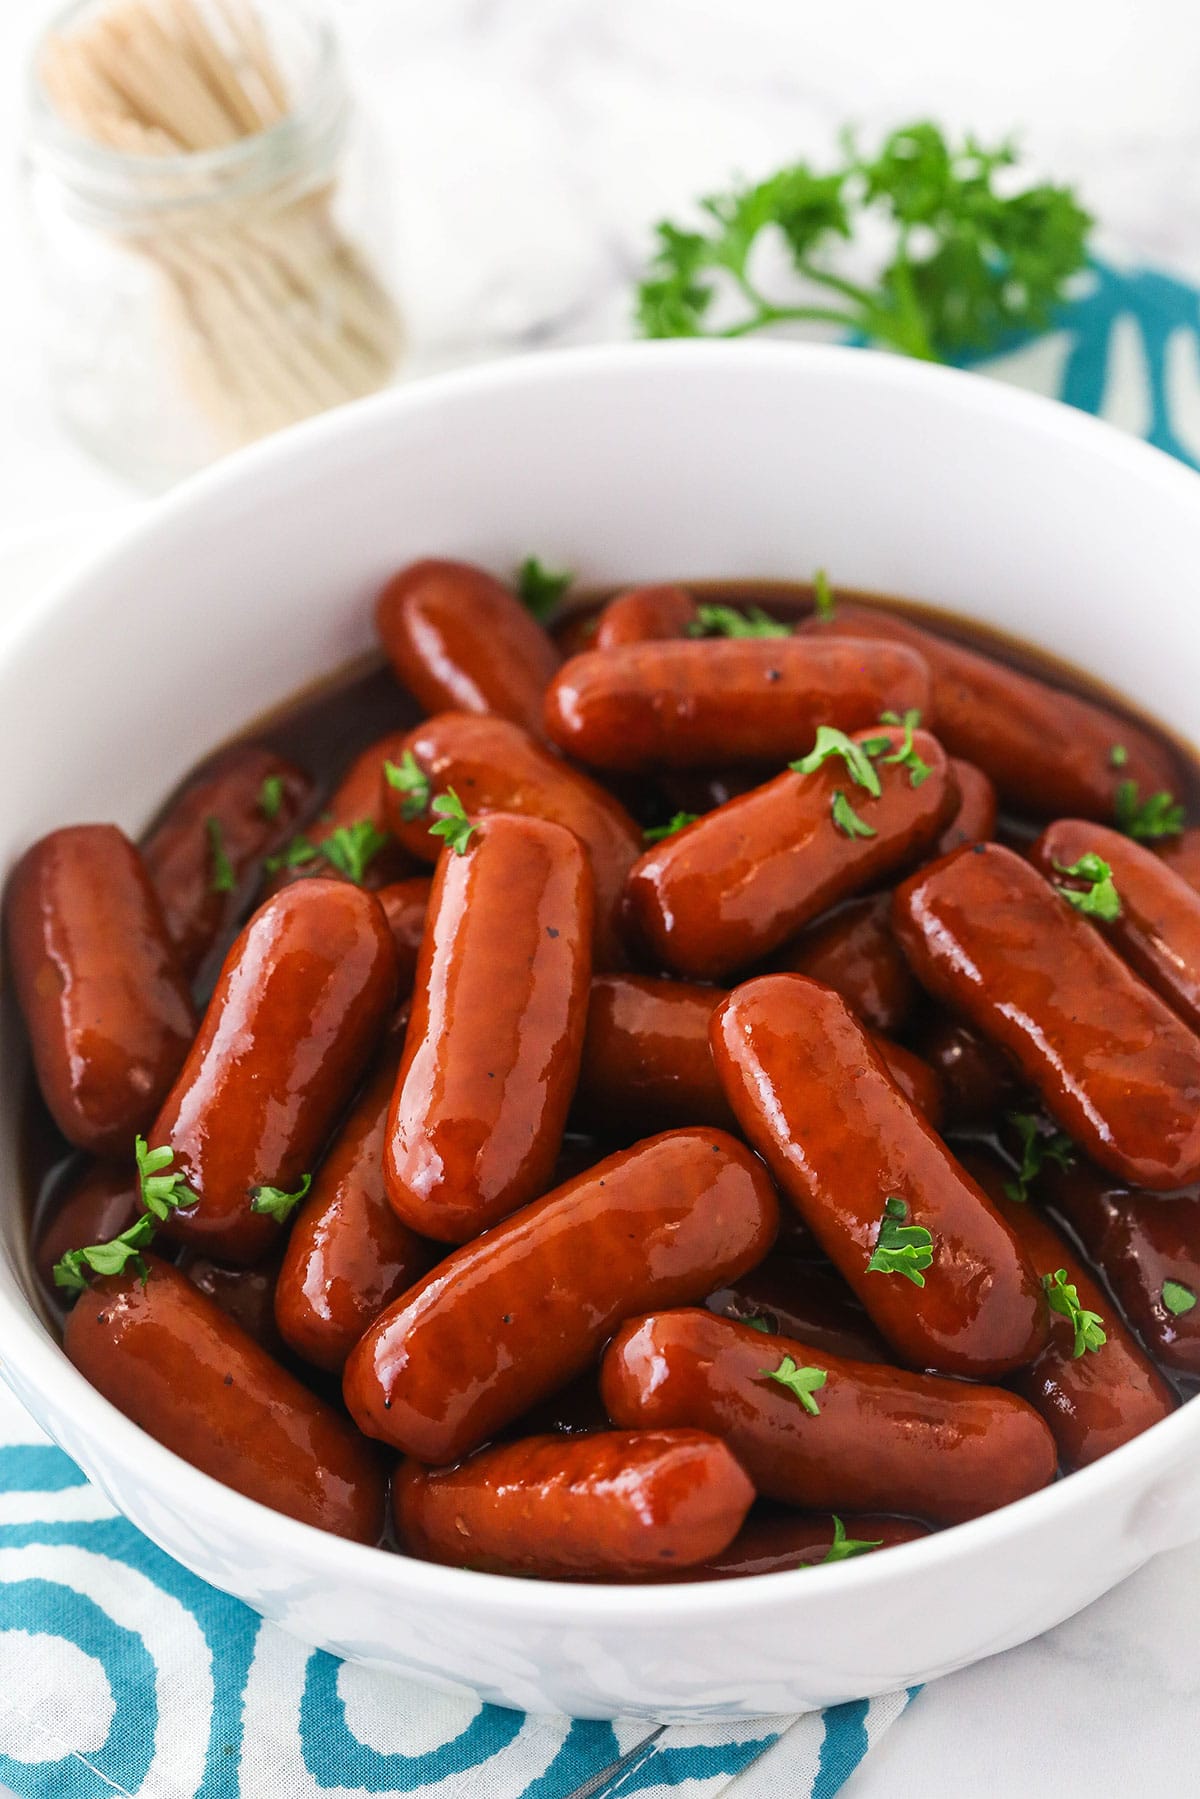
(532, 145)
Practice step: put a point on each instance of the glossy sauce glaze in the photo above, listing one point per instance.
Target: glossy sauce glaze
(617, 1240)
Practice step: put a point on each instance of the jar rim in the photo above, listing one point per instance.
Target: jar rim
(312, 129)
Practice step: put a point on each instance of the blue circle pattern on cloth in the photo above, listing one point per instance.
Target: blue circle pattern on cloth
(176, 1691)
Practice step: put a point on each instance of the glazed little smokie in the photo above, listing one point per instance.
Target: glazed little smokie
(611, 1503)
(496, 1034)
(818, 1431)
(460, 640)
(298, 1009)
(863, 1168)
(704, 704)
(495, 766)
(1117, 1069)
(732, 887)
(453, 1201)
(505, 1321)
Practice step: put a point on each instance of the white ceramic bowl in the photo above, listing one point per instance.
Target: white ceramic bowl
(648, 462)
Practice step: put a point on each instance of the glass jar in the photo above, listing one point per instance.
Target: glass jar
(194, 299)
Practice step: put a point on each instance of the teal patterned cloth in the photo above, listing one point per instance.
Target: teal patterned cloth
(123, 1674)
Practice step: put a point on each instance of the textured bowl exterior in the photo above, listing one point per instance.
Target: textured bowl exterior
(633, 463)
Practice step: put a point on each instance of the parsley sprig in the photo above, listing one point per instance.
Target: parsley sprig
(803, 1382)
(161, 1193)
(1064, 1299)
(540, 588)
(846, 819)
(1099, 899)
(350, 849)
(1178, 1299)
(275, 1202)
(1146, 820)
(452, 825)
(901, 1248)
(971, 254)
(843, 1547)
(221, 878)
(905, 756)
(680, 821)
(832, 742)
(409, 779)
(1037, 1148)
(270, 797)
(824, 602)
(728, 621)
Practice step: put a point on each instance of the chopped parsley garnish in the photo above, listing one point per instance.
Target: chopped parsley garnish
(906, 756)
(1064, 1299)
(1159, 816)
(221, 877)
(824, 603)
(846, 818)
(803, 1382)
(1037, 1148)
(728, 621)
(656, 833)
(112, 1257)
(1099, 899)
(970, 251)
(408, 778)
(270, 797)
(831, 742)
(161, 1193)
(298, 852)
(1118, 756)
(900, 1248)
(1177, 1298)
(275, 1202)
(352, 848)
(540, 588)
(843, 1547)
(453, 824)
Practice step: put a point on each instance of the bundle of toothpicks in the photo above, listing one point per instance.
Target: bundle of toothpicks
(273, 312)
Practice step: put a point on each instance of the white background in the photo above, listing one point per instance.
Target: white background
(531, 145)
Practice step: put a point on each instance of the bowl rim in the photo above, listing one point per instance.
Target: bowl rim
(40, 1362)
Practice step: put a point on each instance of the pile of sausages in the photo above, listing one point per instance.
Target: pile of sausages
(674, 1112)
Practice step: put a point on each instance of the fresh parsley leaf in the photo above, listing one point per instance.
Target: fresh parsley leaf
(727, 621)
(298, 852)
(831, 742)
(540, 588)
(408, 778)
(843, 1547)
(1064, 1299)
(846, 818)
(656, 833)
(970, 253)
(221, 878)
(1037, 1148)
(1159, 816)
(453, 824)
(1118, 756)
(803, 1382)
(906, 756)
(1099, 899)
(824, 603)
(1177, 1298)
(900, 1248)
(352, 848)
(161, 1192)
(270, 797)
(113, 1257)
(275, 1202)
